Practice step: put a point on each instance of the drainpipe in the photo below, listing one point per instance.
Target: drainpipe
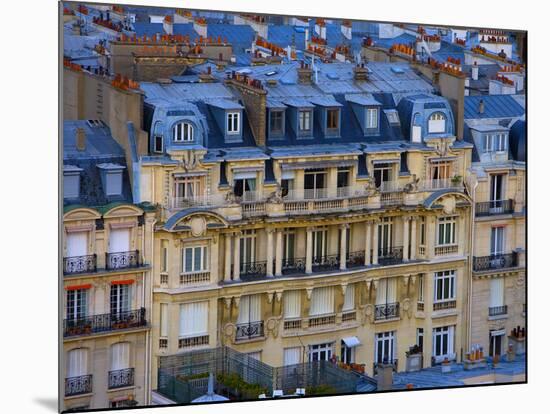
(470, 265)
(148, 345)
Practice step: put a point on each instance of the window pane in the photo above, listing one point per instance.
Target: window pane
(188, 260)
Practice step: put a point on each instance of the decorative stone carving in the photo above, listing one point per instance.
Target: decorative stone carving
(368, 313)
(272, 326)
(227, 302)
(276, 196)
(449, 205)
(412, 186)
(279, 295)
(308, 293)
(270, 296)
(370, 187)
(344, 287)
(406, 306)
(229, 330)
(198, 226)
(230, 197)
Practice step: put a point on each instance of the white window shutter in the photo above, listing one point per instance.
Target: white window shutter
(496, 292)
(193, 319)
(292, 304)
(163, 319)
(381, 292)
(322, 301)
(349, 298)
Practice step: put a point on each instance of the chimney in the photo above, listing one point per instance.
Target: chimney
(360, 73)
(168, 25)
(475, 71)
(304, 73)
(80, 139)
(207, 77)
(346, 29)
(481, 107)
(385, 376)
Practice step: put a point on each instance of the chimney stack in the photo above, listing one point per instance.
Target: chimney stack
(360, 72)
(385, 376)
(475, 71)
(481, 108)
(304, 73)
(80, 139)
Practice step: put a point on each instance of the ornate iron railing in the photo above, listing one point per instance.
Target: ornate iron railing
(251, 270)
(356, 259)
(448, 304)
(498, 310)
(249, 330)
(293, 265)
(349, 316)
(80, 264)
(386, 311)
(328, 262)
(104, 322)
(490, 208)
(390, 255)
(121, 378)
(495, 261)
(78, 385)
(122, 260)
(193, 341)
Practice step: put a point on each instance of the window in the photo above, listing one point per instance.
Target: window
(304, 121)
(441, 170)
(342, 179)
(77, 362)
(245, 186)
(71, 185)
(393, 117)
(333, 118)
(77, 304)
(496, 293)
(385, 236)
(287, 183)
(497, 240)
(183, 132)
(422, 231)
(158, 143)
(120, 356)
(421, 288)
(372, 118)
(386, 293)
(319, 245)
(315, 183)
(321, 352)
(420, 338)
(444, 287)
(113, 182)
(416, 133)
(347, 354)
(163, 320)
(276, 122)
(496, 142)
(436, 122)
(292, 300)
(249, 309)
(443, 343)
(446, 231)
(164, 256)
(289, 240)
(195, 259)
(193, 319)
(247, 248)
(385, 347)
(292, 356)
(496, 190)
(496, 339)
(188, 188)
(322, 301)
(349, 298)
(233, 123)
(120, 298)
(77, 244)
(119, 240)
(382, 173)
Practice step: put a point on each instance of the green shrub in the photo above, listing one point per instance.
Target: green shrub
(321, 389)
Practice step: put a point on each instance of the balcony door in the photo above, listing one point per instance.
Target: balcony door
(496, 340)
(245, 185)
(441, 173)
(319, 245)
(386, 293)
(315, 181)
(383, 174)
(385, 347)
(320, 352)
(247, 249)
(187, 188)
(249, 309)
(119, 240)
(77, 304)
(497, 241)
(289, 240)
(385, 237)
(443, 343)
(120, 299)
(120, 356)
(496, 193)
(77, 362)
(77, 244)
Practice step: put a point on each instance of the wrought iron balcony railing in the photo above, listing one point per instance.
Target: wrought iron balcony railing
(121, 378)
(122, 260)
(104, 322)
(495, 261)
(80, 264)
(490, 208)
(356, 259)
(294, 265)
(498, 310)
(390, 255)
(249, 330)
(386, 311)
(252, 270)
(78, 385)
(328, 262)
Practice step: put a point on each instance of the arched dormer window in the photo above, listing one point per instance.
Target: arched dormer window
(183, 132)
(436, 122)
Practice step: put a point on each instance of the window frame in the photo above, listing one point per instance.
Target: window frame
(233, 123)
(435, 117)
(332, 115)
(302, 120)
(446, 226)
(447, 280)
(155, 148)
(183, 132)
(280, 116)
(369, 111)
(204, 256)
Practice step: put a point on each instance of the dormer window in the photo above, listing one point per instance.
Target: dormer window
(436, 122)
(276, 122)
(158, 143)
(333, 119)
(111, 178)
(233, 123)
(304, 120)
(71, 181)
(495, 142)
(393, 117)
(183, 132)
(372, 118)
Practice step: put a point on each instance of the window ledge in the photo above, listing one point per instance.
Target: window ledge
(497, 317)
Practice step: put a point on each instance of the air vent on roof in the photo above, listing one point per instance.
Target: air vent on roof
(244, 71)
(95, 123)
(397, 70)
(393, 116)
(333, 76)
(271, 73)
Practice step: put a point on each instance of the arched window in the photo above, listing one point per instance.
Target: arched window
(436, 122)
(183, 132)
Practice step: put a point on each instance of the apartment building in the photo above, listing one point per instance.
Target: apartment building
(106, 275)
(308, 213)
(495, 124)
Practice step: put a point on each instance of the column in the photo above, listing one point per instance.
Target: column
(375, 243)
(269, 253)
(237, 257)
(406, 238)
(343, 247)
(414, 238)
(227, 253)
(309, 250)
(279, 253)
(368, 235)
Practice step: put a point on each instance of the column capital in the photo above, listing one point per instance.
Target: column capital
(310, 229)
(270, 230)
(344, 226)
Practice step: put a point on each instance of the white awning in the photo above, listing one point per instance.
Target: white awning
(351, 341)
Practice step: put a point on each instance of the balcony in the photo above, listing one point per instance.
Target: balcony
(323, 320)
(446, 250)
(498, 310)
(250, 330)
(495, 207)
(324, 199)
(192, 341)
(180, 203)
(122, 260)
(80, 264)
(386, 311)
(121, 378)
(325, 263)
(193, 278)
(349, 316)
(291, 324)
(78, 385)
(253, 270)
(390, 255)
(447, 304)
(294, 265)
(104, 323)
(441, 184)
(495, 262)
(355, 259)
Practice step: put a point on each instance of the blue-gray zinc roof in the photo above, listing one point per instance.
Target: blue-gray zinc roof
(495, 106)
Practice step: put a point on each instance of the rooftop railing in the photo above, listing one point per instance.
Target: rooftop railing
(441, 184)
(178, 203)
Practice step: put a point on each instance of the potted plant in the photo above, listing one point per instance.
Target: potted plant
(456, 180)
(446, 366)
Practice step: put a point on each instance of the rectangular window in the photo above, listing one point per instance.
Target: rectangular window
(247, 248)
(113, 183)
(496, 339)
(333, 118)
(497, 240)
(496, 295)
(315, 183)
(443, 343)
(342, 179)
(347, 354)
(77, 304)
(193, 319)
(289, 240)
(385, 236)
(250, 309)
(441, 170)
(244, 186)
(304, 121)
(322, 301)
(385, 347)
(349, 298)
(321, 352)
(120, 299)
(420, 338)
(319, 245)
(444, 286)
(292, 356)
(71, 186)
(195, 259)
(383, 173)
(233, 123)
(446, 231)
(421, 288)
(119, 240)
(188, 188)
(386, 292)
(372, 118)
(77, 244)
(164, 256)
(158, 144)
(422, 231)
(163, 320)
(292, 304)
(276, 122)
